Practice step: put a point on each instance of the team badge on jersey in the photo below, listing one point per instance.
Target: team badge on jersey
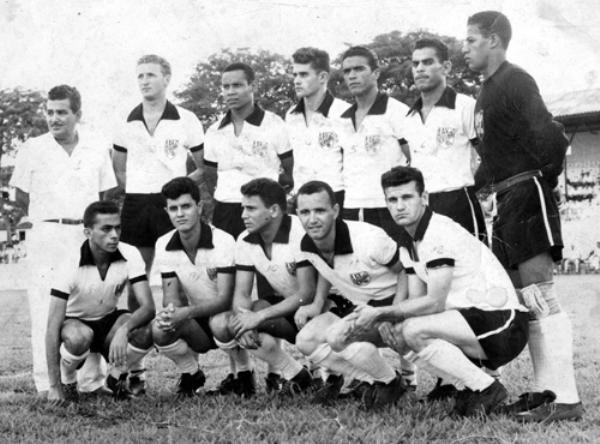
(445, 137)
(291, 268)
(119, 289)
(328, 139)
(259, 148)
(212, 273)
(171, 147)
(372, 143)
(360, 278)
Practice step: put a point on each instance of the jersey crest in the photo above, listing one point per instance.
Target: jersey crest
(360, 278)
(170, 148)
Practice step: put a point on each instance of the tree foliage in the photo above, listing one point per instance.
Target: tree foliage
(21, 117)
(275, 91)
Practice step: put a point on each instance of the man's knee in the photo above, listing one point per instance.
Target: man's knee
(142, 337)
(337, 335)
(220, 326)
(76, 336)
(259, 304)
(161, 337)
(412, 332)
(311, 335)
(537, 269)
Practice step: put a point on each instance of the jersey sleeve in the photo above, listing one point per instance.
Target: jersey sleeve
(136, 268)
(22, 174)
(63, 282)
(439, 252)
(225, 260)
(468, 119)
(210, 150)
(398, 117)
(243, 260)
(119, 139)
(195, 133)
(282, 139)
(382, 248)
(107, 173)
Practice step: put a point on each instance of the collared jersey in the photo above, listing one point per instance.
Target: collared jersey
(90, 297)
(371, 149)
(363, 255)
(316, 142)
(256, 152)
(154, 159)
(478, 278)
(214, 254)
(277, 275)
(441, 146)
(59, 185)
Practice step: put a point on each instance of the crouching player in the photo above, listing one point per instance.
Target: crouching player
(361, 262)
(196, 262)
(268, 249)
(83, 315)
(468, 314)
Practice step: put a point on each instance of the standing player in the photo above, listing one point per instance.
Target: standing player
(148, 151)
(83, 314)
(313, 123)
(269, 250)
(522, 152)
(373, 139)
(466, 308)
(56, 176)
(440, 129)
(246, 143)
(196, 261)
(361, 262)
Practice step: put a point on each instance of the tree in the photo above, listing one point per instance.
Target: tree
(274, 90)
(21, 117)
(394, 50)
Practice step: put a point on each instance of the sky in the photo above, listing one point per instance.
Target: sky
(94, 44)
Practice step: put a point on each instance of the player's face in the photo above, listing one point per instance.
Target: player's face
(405, 203)
(61, 118)
(307, 81)
(358, 75)
(316, 214)
(104, 234)
(151, 80)
(427, 69)
(184, 212)
(237, 92)
(255, 214)
(476, 49)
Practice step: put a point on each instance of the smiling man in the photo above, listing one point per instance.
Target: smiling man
(83, 315)
(151, 148)
(196, 263)
(56, 176)
(246, 143)
(314, 124)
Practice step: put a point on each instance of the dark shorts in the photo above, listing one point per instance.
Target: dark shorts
(343, 307)
(101, 328)
(527, 223)
(502, 334)
(227, 216)
(463, 207)
(205, 326)
(144, 219)
(383, 219)
(283, 327)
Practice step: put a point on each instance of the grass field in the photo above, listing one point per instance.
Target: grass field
(159, 418)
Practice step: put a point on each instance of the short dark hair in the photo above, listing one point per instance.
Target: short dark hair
(62, 92)
(316, 186)
(318, 59)
(441, 50)
(165, 66)
(492, 22)
(269, 191)
(361, 51)
(179, 186)
(401, 175)
(238, 66)
(99, 207)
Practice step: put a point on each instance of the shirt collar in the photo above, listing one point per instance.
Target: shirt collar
(170, 113)
(255, 118)
(379, 107)
(281, 237)
(423, 224)
(342, 243)
(205, 240)
(503, 66)
(448, 100)
(323, 107)
(87, 258)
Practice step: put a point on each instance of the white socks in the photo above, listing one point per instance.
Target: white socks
(551, 350)
(182, 355)
(239, 359)
(365, 356)
(69, 363)
(279, 361)
(448, 362)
